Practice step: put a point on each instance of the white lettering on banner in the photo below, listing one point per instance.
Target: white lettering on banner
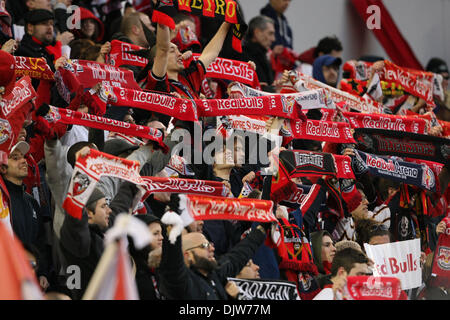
(223, 66)
(237, 210)
(410, 81)
(94, 118)
(264, 290)
(250, 103)
(308, 159)
(398, 259)
(19, 95)
(384, 123)
(322, 129)
(147, 97)
(182, 185)
(131, 57)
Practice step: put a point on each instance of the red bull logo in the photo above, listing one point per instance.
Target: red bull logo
(80, 183)
(443, 258)
(5, 130)
(428, 180)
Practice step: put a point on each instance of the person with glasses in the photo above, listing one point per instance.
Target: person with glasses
(189, 270)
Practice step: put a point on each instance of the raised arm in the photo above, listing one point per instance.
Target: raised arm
(159, 68)
(213, 48)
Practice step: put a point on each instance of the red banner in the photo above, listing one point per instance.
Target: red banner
(68, 116)
(87, 74)
(441, 264)
(219, 208)
(337, 132)
(14, 108)
(387, 122)
(119, 56)
(36, 68)
(232, 70)
(343, 167)
(418, 83)
(187, 186)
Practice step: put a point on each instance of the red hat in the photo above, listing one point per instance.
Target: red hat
(352, 198)
(7, 72)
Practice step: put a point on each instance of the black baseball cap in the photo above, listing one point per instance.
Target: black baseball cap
(38, 15)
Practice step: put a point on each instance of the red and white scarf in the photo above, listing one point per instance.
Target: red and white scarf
(419, 83)
(440, 271)
(196, 207)
(311, 99)
(36, 68)
(233, 70)
(373, 288)
(89, 169)
(190, 110)
(337, 132)
(86, 74)
(386, 122)
(68, 116)
(119, 56)
(349, 101)
(14, 109)
(179, 185)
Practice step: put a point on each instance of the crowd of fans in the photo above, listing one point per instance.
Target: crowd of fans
(324, 247)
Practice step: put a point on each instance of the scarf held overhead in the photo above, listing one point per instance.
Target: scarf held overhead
(186, 109)
(419, 175)
(67, 116)
(14, 109)
(196, 207)
(222, 10)
(403, 144)
(89, 169)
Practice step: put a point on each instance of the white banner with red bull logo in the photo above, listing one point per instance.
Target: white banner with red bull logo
(398, 259)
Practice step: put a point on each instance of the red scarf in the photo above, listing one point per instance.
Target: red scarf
(326, 267)
(374, 288)
(419, 83)
(232, 70)
(440, 271)
(54, 51)
(85, 74)
(191, 186)
(338, 132)
(190, 110)
(67, 116)
(387, 122)
(14, 109)
(36, 68)
(119, 56)
(196, 207)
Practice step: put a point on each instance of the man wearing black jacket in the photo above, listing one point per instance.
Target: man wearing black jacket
(259, 39)
(39, 40)
(188, 269)
(26, 217)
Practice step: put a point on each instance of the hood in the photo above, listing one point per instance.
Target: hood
(325, 60)
(87, 14)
